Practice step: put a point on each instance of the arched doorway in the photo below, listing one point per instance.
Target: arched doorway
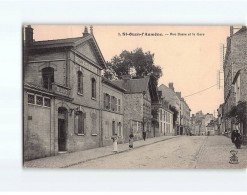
(62, 129)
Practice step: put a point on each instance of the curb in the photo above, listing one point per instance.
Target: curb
(127, 150)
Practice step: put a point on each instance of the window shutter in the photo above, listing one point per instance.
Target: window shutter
(104, 100)
(110, 102)
(115, 104)
(84, 115)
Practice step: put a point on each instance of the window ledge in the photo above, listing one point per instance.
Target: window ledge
(78, 93)
(80, 134)
(93, 98)
(94, 134)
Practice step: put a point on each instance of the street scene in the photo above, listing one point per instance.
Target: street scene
(134, 97)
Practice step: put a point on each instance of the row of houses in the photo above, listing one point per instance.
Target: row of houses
(232, 113)
(68, 106)
(182, 123)
(204, 124)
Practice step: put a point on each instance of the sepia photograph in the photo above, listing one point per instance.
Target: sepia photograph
(134, 96)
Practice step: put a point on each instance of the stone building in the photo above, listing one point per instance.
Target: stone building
(112, 112)
(235, 82)
(221, 126)
(138, 98)
(62, 95)
(212, 128)
(184, 116)
(169, 95)
(164, 117)
(199, 122)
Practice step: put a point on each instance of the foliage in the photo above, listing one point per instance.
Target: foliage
(135, 63)
(238, 112)
(175, 115)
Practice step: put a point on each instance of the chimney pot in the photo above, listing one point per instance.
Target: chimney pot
(171, 86)
(29, 35)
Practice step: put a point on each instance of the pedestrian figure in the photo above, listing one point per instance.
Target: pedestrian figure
(144, 134)
(115, 139)
(131, 140)
(233, 134)
(237, 140)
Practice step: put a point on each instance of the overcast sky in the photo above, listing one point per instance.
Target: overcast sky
(191, 62)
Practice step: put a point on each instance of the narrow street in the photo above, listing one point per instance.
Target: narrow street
(185, 152)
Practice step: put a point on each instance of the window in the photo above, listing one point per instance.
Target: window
(39, 100)
(161, 127)
(30, 99)
(106, 101)
(120, 129)
(113, 128)
(48, 77)
(93, 88)
(107, 130)
(119, 106)
(113, 103)
(47, 102)
(79, 82)
(161, 115)
(79, 123)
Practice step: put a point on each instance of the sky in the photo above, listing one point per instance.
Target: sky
(190, 61)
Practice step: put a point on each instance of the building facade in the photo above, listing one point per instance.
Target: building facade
(137, 105)
(169, 95)
(235, 82)
(112, 112)
(199, 123)
(62, 95)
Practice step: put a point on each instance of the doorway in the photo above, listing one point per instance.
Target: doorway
(62, 129)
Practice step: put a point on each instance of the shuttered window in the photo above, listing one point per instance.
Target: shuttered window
(80, 123)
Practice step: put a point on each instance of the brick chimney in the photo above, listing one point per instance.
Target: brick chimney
(178, 94)
(231, 30)
(171, 86)
(85, 33)
(29, 35)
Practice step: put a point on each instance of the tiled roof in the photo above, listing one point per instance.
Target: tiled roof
(133, 85)
(57, 41)
(112, 84)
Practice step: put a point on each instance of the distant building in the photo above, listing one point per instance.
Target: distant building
(175, 99)
(221, 126)
(212, 128)
(199, 123)
(169, 95)
(164, 117)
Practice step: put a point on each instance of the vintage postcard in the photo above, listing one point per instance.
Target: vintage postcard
(134, 97)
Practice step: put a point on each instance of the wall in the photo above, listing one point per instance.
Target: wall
(38, 130)
(133, 110)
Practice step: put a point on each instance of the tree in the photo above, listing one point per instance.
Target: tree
(239, 112)
(135, 63)
(175, 114)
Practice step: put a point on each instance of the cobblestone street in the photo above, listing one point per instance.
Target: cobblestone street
(184, 152)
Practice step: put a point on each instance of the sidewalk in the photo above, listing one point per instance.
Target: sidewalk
(69, 159)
